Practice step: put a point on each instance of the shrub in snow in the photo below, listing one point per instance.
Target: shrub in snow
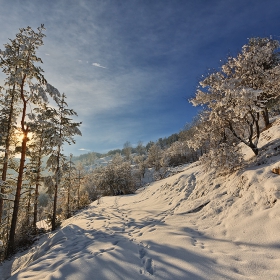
(225, 158)
(179, 153)
(114, 179)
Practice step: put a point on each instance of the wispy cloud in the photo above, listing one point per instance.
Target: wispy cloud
(98, 65)
(83, 149)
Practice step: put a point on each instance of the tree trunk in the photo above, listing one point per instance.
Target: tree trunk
(254, 149)
(69, 188)
(56, 188)
(25, 130)
(265, 116)
(35, 214)
(28, 207)
(11, 242)
(54, 208)
(55, 197)
(68, 203)
(2, 190)
(6, 155)
(78, 204)
(249, 143)
(38, 177)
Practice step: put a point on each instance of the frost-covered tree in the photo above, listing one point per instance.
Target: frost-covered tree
(114, 179)
(68, 184)
(178, 153)
(256, 67)
(63, 131)
(127, 150)
(154, 157)
(149, 145)
(40, 147)
(237, 96)
(19, 62)
(140, 167)
(161, 172)
(124, 181)
(140, 148)
(8, 115)
(88, 186)
(237, 109)
(80, 173)
(223, 151)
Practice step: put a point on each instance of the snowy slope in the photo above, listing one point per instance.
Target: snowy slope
(193, 225)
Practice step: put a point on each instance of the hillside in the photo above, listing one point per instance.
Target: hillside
(193, 225)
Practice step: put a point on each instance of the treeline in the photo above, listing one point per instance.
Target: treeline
(30, 129)
(90, 157)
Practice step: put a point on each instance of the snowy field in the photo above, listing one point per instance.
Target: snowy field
(193, 225)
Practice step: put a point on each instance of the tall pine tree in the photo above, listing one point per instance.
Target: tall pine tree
(64, 130)
(19, 62)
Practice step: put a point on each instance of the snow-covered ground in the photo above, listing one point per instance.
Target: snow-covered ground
(192, 225)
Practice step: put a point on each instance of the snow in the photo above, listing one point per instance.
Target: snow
(192, 225)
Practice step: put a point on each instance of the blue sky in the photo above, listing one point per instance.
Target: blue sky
(128, 67)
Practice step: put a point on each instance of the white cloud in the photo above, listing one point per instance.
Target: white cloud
(98, 65)
(47, 54)
(82, 149)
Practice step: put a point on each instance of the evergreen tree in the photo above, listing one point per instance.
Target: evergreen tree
(39, 148)
(18, 62)
(8, 115)
(63, 131)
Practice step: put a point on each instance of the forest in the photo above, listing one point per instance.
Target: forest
(32, 127)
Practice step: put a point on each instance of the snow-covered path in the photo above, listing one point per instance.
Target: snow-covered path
(174, 229)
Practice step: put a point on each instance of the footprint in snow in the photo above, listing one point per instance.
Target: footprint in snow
(101, 251)
(142, 253)
(149, 266)
(194, 242)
